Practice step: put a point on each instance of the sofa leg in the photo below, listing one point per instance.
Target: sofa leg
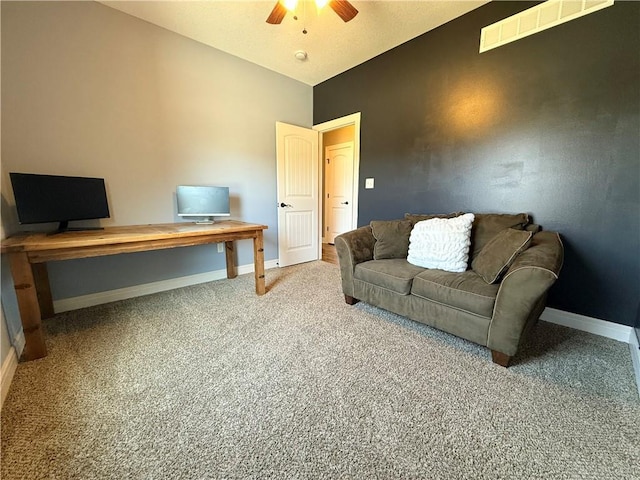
(500, 358)
(350, 300)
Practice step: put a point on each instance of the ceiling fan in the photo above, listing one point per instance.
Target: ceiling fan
(343, 8)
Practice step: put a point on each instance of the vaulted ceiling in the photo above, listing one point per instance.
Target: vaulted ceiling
(332, 46)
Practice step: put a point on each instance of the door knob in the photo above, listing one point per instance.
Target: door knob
(344, 203)
(282, 204)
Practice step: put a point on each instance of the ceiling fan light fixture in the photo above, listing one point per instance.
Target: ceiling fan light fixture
(343, 9)
(289, 4)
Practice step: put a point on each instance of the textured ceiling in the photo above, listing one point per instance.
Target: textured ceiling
(239, 28)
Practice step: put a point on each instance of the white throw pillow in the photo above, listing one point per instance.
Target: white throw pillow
(441, 243)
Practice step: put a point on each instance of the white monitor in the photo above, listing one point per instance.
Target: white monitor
(203, 202)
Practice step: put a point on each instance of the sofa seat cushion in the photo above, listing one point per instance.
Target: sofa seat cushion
(395, 274)
(466, 291)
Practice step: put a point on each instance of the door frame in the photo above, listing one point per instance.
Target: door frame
(322, 128)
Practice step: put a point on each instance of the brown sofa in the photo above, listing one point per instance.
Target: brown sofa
(511, 266)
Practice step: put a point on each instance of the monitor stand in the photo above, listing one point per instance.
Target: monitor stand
(206, 221)
(64, 227)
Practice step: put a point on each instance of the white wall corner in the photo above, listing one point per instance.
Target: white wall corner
(635, 356)
(9, 367)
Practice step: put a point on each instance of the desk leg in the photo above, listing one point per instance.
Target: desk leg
(258, 262)
(231, 261)
(25, 285)
(43, 289)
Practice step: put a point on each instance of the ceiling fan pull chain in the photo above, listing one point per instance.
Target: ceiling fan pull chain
(304, 18)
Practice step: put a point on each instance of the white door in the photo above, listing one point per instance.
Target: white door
(338, 190)
(298, 197)
(326, 127)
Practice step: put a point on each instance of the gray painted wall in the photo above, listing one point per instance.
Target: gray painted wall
(91, 91)
(547, 125)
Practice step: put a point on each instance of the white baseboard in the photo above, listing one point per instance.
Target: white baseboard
(622, 333)
(9, 367)
(19, 342)
(83, 301)
(603, 328)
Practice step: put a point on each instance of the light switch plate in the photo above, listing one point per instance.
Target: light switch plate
(368, 183)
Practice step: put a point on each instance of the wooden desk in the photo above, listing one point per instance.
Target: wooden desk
(28, 254)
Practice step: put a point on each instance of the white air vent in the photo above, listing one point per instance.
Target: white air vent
(535, 19)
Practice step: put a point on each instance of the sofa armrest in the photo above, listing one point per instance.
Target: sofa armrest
(353, 247)
(523, 290)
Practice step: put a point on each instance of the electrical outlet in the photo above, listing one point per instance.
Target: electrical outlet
(368, 183)
(220, 247)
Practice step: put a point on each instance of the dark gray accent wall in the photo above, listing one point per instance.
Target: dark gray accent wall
(548, 125)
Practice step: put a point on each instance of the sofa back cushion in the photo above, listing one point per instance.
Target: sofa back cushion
(392, 238)
(419, 217)
(488, 225)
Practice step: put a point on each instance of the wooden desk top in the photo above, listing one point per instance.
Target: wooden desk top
(32, 242)
(29, 253)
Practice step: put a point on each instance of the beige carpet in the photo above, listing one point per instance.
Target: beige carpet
(211, 381)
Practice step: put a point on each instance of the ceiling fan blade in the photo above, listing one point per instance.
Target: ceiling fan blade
(277, 14)
(344, 9)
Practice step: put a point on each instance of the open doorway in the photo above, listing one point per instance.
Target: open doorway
(340, 153)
